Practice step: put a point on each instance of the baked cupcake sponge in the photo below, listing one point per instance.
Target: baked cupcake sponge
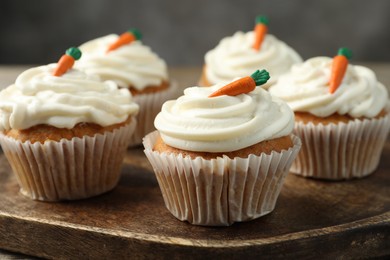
(54, 164)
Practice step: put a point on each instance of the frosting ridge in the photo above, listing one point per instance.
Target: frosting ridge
(196, 122)
(38, 97)
(132, 64)
(235, 57)
(305, 88)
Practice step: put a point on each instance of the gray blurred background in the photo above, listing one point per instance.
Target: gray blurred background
(38, 32)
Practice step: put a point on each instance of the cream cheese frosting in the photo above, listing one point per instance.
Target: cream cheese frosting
(235, 57)
(132, 64)
(38, 97)
(305, 88)
(195, 122)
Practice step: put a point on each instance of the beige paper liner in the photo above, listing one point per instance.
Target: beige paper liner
(149, 106)
(69, 169)
(220, 191)
(341, 151)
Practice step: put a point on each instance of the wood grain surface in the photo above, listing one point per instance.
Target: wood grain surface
(312, 219)
(348, 218)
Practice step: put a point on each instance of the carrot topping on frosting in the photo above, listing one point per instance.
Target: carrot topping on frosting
(243, 85)
(261, 29)
(339, 67)
(66, 61)
(125, 38)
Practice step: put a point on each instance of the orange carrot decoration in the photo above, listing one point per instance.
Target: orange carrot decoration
(339, 67)
(261, 29)
(66, 61)
(243, 85)
(125, 38)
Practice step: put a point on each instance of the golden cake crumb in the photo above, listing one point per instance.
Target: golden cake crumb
(42, 133)
(149, 89)
(334, 118)
(277, 145)
(203, 79)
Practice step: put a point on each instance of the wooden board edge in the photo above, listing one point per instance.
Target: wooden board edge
(368, 237)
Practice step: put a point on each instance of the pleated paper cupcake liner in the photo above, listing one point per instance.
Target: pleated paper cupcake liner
(342, 151)
(220, 191)
(149, 106)
(68, 169)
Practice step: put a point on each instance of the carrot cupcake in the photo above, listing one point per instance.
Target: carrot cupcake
(243, 53)
(127, 61)
(63, 132)
(341, 113)
(221, 156)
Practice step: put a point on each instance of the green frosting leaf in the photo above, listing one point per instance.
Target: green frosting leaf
(345, 52)
(74, 52)
(262, 19)
(260, 77)
(137, 34)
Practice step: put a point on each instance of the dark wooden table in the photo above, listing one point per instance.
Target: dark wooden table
(312, 218)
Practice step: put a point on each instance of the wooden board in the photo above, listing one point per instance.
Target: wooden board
(332, 219)
(312, 218)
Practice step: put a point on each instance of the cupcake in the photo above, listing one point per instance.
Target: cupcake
(243, 53)
(222, 158)
(131, 64)
(341, 113)
(64, 132)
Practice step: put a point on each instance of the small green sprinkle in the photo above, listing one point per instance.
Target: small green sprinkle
(74, 52)
(260, 77)
(136, 33)
(345, 52)
(262, 19)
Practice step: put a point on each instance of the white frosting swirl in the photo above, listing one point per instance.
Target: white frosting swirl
(195, 122)
(234, 57)
(37, 97)
(132, 64)
(306, 89)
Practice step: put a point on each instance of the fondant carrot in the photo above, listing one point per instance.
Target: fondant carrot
(339, 67)
(66, 61)
(243, 85)
(125, 38)
(261, 29)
